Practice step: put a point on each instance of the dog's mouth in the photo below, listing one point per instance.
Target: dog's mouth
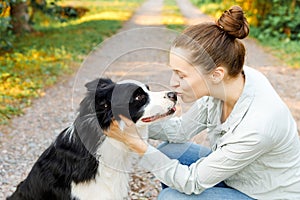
(159, 116)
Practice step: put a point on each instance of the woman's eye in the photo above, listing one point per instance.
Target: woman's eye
(181, 76)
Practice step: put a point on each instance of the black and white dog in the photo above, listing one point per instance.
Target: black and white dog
(84, 164)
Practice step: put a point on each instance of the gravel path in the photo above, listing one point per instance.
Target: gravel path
(138, 51)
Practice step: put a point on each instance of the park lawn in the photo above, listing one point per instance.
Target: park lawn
(39, 59)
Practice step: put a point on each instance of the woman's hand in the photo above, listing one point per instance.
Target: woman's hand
(129, 136)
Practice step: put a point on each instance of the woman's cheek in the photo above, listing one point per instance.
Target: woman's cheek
(194, 90)
(187, 89)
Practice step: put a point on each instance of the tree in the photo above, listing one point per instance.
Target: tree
(20, 17)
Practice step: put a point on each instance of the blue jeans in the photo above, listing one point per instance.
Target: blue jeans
(186, 154)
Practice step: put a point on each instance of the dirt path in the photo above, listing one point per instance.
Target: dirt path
(139, 51)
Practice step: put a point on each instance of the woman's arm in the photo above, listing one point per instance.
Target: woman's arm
(226, 161)
(231, 157)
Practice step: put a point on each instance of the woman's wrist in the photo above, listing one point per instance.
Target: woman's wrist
(137, 145)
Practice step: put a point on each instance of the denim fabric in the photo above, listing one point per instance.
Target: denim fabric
(214, 193)
(186, 154)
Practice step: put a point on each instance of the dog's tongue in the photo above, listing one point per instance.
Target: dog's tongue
(155, 117)
(149, 119)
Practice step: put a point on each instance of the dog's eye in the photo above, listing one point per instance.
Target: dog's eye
(104, 105)
(139, 97)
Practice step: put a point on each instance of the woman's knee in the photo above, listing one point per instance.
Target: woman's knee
(167, 194)
(186, 153)
(208, 194)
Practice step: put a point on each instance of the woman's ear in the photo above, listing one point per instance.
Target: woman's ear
(218, 74)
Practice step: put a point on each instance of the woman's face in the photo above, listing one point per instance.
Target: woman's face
(188, 81)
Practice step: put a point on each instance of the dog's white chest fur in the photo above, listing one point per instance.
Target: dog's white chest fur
(70, 157)
(112, 179)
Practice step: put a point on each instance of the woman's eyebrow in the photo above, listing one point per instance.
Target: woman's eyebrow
(177, 72)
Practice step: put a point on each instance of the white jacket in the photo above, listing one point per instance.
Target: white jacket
(256, 150)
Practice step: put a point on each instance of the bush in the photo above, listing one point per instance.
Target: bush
(272, 18)
(6, 35)
(281, 22)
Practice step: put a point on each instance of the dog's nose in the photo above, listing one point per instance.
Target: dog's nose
(172, 96)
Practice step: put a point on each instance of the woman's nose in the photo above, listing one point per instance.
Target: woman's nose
(173, 81)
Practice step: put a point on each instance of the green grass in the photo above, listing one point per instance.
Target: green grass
(212, 9)
(39, 59)
(287, 51)
(172, 16)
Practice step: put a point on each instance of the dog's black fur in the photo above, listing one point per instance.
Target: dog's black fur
(72, 157)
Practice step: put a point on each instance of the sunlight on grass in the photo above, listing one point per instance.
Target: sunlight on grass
(23, 75)
(108, 15)
(102, 10)
(172, 16)
(39, 59)
(215, 10)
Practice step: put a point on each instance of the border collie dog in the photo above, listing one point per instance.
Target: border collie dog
(82, 163)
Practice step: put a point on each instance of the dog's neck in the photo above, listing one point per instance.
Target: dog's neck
(116, 152)
(141, 128)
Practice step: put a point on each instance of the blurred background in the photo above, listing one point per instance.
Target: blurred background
(50, 48)
(44, 40)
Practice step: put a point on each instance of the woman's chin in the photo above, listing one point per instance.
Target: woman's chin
(185, 99)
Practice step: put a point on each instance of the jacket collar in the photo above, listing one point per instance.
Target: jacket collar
(243, 104)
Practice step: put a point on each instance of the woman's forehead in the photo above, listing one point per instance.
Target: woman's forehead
(181, 64)
(178, 61)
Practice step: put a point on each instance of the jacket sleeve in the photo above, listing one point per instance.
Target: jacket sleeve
(181, 129)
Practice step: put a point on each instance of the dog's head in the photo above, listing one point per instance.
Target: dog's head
(131, 99)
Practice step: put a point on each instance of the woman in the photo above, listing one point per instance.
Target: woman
(255, 147)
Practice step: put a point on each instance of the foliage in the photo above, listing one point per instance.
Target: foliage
(287, 50)
(6, 35)
(172, 16)
(275, 23)
(39, 59)
(273, 18)
(281, 23)
(23, 74)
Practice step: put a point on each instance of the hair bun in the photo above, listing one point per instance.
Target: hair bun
(234, 23)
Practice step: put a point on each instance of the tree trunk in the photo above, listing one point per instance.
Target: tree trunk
(293, 5)
(20, 18)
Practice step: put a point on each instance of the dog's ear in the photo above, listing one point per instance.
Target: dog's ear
(98, 83)
(147, 86)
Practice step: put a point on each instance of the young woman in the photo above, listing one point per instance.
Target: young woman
(255, 147)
